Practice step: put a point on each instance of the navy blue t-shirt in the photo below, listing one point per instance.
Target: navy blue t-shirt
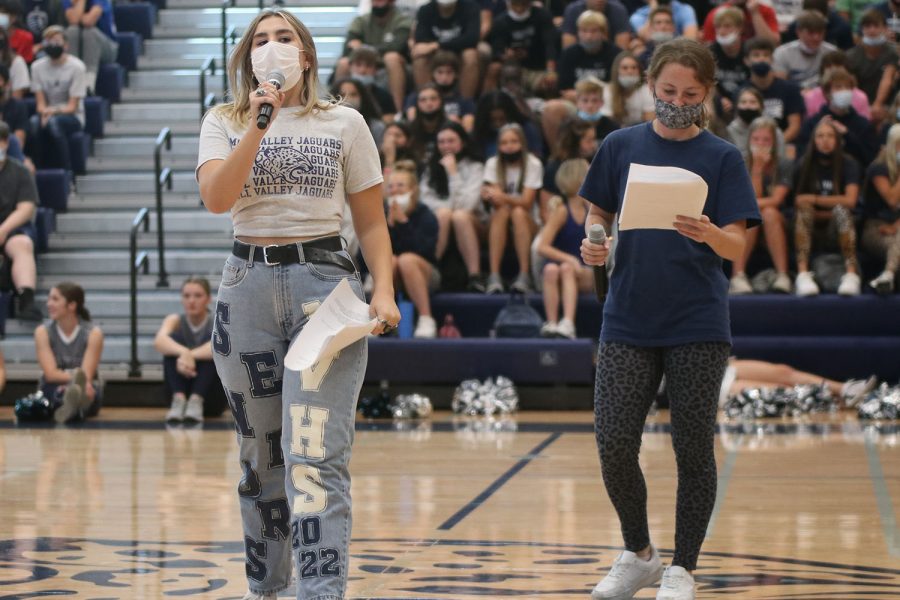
(666, 289)
(873, 203)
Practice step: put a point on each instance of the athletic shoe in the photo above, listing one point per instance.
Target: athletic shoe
(850, 285)
(494, 284)
(677, 584)
(72, 401)
(425, 327)
(549, 330)
(193, 412)
(176, 411)
(566, 329)
(782, 284)
(855, 390)
(884, 283)
(628, 575)
(476, 283)
(739, 285)
(522, 284)
(805, 285)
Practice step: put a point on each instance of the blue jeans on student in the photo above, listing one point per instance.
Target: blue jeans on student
(53, 140)
(295, 429)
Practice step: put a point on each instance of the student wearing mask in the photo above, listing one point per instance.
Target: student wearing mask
(874, 62)
(524, 36)
(748, 108)
(429, 117)
(815, 98)
(683, 15)
(354, 94)
(662, 29)
(781, 99)
(627, 99)
(732, 72)
(16, 70)
(799, 61)
(616, 17)
(363, 66)
(445, 75)
(759, 21)
(452, 25)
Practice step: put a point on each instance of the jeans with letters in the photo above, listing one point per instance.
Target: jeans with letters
(294, 429)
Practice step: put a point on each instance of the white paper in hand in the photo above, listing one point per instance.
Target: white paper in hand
(654, 196)
(341, 320)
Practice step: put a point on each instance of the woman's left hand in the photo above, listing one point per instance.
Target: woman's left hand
(383, 308)
(700, 230)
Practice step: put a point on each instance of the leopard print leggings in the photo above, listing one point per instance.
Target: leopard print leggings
(627, 380)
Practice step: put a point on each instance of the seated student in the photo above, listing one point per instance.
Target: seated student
(627, 99)
(616, 16)
(429, 117)
(493, 111)
(451, 188)
(858, 134)
(386, 29)
(185, 342)
(58, 83)
(16, 71)
(18, 200)
(20, 39)
(13, 111)
(413, 229)
(363, 66)
(873, 61)
(683, 14)
(396, 145)
(356, 95)
(68, 348)
(749, 108)
(837, 30)
(577, 139)
(662, 29)
(881, 227)
(452, 26)
(771, 175)
(815, 98)
(564, 273)
(592, 56)
(781, 98)
(445, 75)
(732, 72)
(524, 36)
(512, 180)
(826, 189)
(588, 107)
(91, 33)
(39, 15)
(798, 61)
(759, 21)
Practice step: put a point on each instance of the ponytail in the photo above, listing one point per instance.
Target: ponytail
(73, 292)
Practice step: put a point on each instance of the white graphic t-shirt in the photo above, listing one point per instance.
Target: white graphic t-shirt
(303, 169)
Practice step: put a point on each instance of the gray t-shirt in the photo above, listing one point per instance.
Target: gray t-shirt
(16, 185)
(801, 68)
(60, 82)
(303, 170)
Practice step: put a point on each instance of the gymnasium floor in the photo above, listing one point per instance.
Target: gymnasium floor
(451, 508)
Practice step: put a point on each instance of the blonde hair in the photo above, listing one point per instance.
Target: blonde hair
(618, 95)
(889, 153)
(728, 14)
(501, 164)
(589, 85)
(408, 168)
(241, 80)
(769, 124)
(593, 18)
(690, 54)
(570, 176)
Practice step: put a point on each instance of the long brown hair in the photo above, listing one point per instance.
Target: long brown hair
(240, 71)
(769, 124)
(618, 94)
(73, 292)
(809, 168)
(501, 164)
(690, 54)
(203, 282)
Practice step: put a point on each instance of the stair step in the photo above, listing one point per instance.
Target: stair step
(327, 46)
(182, 223)
(111, 371)
(131, 182)
(133, 202)
(109, 325)
(179, 263)
(75, 241)
(142, 146)
(193, 21)
(117, 282)
(114, 129)
(105, 164)
(156, 111)
(217, 4)
(116, 349)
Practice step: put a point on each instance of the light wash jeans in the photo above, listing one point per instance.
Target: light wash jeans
(294, 429)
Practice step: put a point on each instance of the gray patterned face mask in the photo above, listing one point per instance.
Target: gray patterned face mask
(677, 117)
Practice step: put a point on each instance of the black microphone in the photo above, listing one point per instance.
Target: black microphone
(276, 78)
(597, 235)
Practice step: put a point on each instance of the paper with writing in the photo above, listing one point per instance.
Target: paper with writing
(655, 195)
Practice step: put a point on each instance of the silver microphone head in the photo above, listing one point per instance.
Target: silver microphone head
(276, 78)
(597, 234)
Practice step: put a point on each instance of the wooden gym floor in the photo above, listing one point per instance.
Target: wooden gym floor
(452, 508)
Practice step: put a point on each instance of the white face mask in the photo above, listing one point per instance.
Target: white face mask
(629, 81)
(727, 40)
(275, 56)
(842, 98)
(4, 21)
(519, 17)
(402, 200)
(661, 37)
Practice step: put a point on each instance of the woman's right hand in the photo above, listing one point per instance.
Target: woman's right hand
(593, 254)
(272, 96)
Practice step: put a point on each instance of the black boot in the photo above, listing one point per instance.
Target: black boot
(26, 310)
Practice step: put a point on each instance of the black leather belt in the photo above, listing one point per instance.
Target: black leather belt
(324, 250)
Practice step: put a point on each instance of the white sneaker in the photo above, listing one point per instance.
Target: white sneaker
(850, 285)
(494, 284)
(884, 283)
(549, 330)
(566, 329)
(739, 285)
(805, 285)
(72, 401)
(854, 390)
(782, 284)
(677, 584)
(425, 327)
(193, 412)
(176, 411)
(628, 575)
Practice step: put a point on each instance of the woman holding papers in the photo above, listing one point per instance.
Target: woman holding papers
(285, 180)
(666, 311)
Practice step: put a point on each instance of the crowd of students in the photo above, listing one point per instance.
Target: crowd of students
(488, 110)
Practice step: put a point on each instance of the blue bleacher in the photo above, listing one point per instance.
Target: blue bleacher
(130, 45)
(135, 17)
(110, 82)
(53, 189)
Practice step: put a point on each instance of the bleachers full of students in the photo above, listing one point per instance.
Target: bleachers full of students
(498, 94)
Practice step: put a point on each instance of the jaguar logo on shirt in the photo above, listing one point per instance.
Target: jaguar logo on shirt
(298, 166)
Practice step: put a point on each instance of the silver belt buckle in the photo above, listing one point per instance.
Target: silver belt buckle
(266, 255)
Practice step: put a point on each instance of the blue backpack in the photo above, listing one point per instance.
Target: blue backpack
(517, 319)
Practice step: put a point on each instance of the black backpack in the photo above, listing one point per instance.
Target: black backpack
(517, 319)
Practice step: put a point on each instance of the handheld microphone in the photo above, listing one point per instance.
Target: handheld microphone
(597, 235)
(276, 78)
